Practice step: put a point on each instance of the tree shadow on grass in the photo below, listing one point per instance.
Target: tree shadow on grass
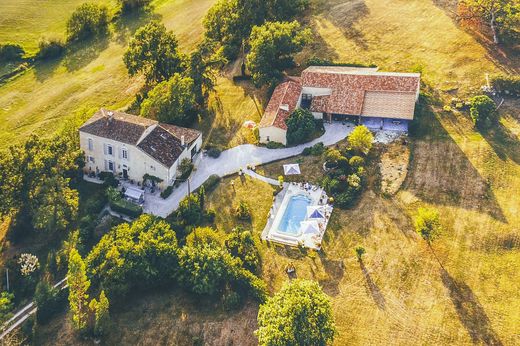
(345, 15)
(471, 313)
(80, 54)
(374, 290)
(441, 173)
(336, 270)
(128, 23)
(505, 143)
(44, 70)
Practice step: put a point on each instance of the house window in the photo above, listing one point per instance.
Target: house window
(124, 153)
(110, 166)
(110, 150)
(268, 138)
(90, 159)
(306, 96)
(90, 144)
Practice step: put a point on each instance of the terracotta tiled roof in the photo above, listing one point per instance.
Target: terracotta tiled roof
(282, 103)
(163, 142)
(119, 126)
(349, 85)
(190, 135)
(162, 146)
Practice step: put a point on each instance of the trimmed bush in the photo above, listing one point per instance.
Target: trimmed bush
(483, 111)
(242, 211)
(167, 192)
(274, 145)
(11, 52)
(300, 126)
(125, 207)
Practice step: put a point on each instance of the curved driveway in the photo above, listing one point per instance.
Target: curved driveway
(230, 161)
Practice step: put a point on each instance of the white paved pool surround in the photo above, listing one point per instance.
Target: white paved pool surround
(317, 197)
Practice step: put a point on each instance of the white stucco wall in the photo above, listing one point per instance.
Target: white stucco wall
(316, 91)
(138, 162)
(275, 134)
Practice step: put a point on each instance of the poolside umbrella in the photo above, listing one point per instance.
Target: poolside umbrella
(291, 169)
(250, 124)
(310, 227)
(315, 212)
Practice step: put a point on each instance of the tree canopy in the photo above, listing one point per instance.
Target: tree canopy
(273, 46)
(299, 314)
(140, 254)
(171, 101)
(130, 5)
(153, 51)
(502, 16)
(360, 140)
(35, 183)
(87, 20)
(427, 224)
(300, 126)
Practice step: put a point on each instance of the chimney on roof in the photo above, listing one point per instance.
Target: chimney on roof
(182, 140)
(110, 116)
(284, 107)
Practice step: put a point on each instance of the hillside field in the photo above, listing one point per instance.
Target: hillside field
(463, 291)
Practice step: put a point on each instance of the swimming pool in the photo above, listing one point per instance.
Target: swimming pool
(294, 214)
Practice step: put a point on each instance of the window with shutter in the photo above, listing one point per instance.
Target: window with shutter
(90, 144)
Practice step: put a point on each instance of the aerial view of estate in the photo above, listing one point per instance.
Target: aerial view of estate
(260, 172)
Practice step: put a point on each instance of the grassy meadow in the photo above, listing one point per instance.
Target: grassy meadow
(465, 290)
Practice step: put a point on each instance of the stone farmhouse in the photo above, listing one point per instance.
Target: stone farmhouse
(130, 146)
(378, 100)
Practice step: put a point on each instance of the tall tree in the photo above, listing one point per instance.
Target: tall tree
(171, 101)
(202, 67)
(427, 224)
(153, 51)
(101, 314)
(299, 314)
(273, 46)
(283, 10)
(78, 286)
(502, 16)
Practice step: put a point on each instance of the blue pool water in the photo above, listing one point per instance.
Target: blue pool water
(294, 214)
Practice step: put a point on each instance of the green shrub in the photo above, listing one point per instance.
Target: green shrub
(6, 305)
(214, 152)
(167, 192)
(87, 20)
(242, 211)
(50, 49)
(11, 52)
(345, 199)
(274, 145)
(211, 183)
(360, 251)
(315, 61)
(506, 84)
(185, 168)
(231, 300)
(307, 151)
(356, 161)
(318, 149)
(483, 111)
(240, 243)
(210, 215)
(189, 212)
(108, 178)
(131, 5)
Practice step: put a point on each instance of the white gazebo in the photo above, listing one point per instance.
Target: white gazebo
(134, 194)
(291, 169)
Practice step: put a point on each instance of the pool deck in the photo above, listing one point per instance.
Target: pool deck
(281, 200)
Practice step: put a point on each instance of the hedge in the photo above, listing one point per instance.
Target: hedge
(125, 207)
(506, 84)
(211, 183)
(167, 192)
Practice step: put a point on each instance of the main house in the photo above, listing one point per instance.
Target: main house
(378, 100)
(131, 146)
